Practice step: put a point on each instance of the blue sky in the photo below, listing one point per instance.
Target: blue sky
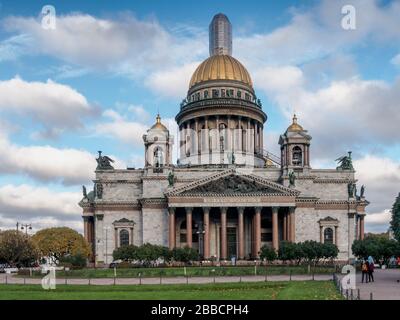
(97, 81)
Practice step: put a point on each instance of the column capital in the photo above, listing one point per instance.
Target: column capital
(189, 210)
(171, 210)
(240, 210)
(275, 209)
(224, 209)
(292, 209)
(206, 209)
(258, 209)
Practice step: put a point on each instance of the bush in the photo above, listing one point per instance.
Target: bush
(268, 253)
(185, 254)
(77, 261)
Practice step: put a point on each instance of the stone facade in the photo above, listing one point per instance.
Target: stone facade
(226, 196)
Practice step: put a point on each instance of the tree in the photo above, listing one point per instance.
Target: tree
(126, 253)
(379, 248)
(185, 254)
(287, 251)
(395, 222)
(331, 251)
(17, 249)
(57, 243)
(268, 253)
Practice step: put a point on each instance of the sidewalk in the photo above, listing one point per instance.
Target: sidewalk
(11, 279)
(385, 286)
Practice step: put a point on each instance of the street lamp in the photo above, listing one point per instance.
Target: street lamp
(26, 226)
(200, 231)
(106, 256)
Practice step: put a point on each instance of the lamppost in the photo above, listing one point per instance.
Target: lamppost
(26, 226)
(106, 256)
(200, 231)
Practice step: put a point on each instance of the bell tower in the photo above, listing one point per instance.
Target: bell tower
(295, 148)
(158, 146)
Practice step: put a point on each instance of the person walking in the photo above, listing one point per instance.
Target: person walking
(364, 271)
(371, 268)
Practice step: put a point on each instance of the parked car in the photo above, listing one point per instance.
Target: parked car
(115, 263)
(3, 267)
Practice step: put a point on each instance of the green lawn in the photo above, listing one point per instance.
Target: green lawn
(293, 290)
(190, 271)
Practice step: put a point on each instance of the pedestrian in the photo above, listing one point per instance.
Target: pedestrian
(364, 271)
(371, 268)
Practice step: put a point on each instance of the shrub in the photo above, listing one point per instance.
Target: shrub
(268, 253)
(185, 254)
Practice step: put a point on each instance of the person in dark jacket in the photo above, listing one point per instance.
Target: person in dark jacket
(371, 268)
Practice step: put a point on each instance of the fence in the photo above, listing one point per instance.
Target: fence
(348, 294)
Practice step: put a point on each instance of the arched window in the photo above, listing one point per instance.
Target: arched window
(158, 157)
(297, 156)
(328, 235)
(123, 238)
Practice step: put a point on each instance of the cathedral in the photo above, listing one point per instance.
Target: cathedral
(226, 196)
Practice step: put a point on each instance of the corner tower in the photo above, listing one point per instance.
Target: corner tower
(295, 148)
(221, 121)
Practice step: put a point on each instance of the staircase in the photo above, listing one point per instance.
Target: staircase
(271, 158)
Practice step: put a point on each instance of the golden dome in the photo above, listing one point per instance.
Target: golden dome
(295, 126)
(220, 67)
(158, 124)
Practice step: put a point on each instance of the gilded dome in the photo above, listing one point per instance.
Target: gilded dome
(220, 67)
(295, 126)
(158, 125)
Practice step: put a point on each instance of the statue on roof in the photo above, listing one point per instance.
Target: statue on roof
(84, 192)
(104, 162)
(362, 191)
(345, 162)
(292, 179)
(171, 179)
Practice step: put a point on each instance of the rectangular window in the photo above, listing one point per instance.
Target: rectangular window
(266, 237)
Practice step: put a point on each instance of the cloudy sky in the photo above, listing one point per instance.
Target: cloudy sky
(96, 81)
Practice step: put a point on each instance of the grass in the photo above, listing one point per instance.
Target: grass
(294, 290)
(190, 271)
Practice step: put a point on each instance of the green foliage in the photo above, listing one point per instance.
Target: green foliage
(310, 251)
(395, 222)
(145, 254)
(60, 242)
(185, 254)
(77, 261)
(268, 253)
(288, 251)
(17, 249)
(377, 247)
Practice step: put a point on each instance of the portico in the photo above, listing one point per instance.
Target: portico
(249, 213)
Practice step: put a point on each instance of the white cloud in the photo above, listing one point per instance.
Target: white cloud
(396, 60)
(317, 32)
(378, 222)
(381, 176)
(130, 132)
(54, 105)
(47, 163)
(40, 206)
(172, 82)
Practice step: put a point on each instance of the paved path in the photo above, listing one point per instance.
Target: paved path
(11, 279)
(385, 286)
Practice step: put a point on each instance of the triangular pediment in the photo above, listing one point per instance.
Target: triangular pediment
(230, 183)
